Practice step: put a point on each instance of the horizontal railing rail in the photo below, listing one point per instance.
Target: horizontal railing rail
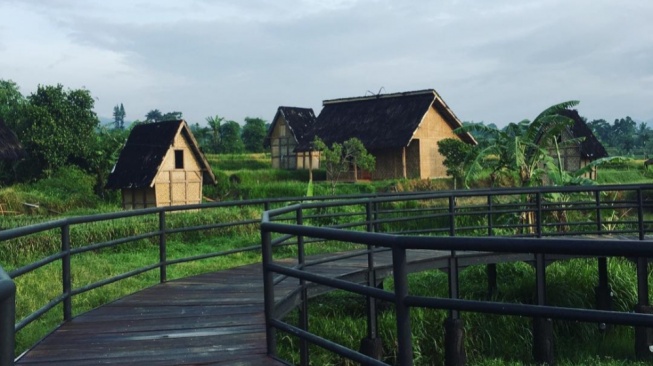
(9, 325)
(533, 222)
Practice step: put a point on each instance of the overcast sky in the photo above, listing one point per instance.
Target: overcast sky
(496, 61)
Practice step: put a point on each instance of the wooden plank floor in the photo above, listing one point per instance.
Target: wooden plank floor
(211, 319)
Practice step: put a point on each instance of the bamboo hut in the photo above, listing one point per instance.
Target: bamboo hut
(574, 156)
(160, 165)
(10, 147)
(291, 126)
(401, 130)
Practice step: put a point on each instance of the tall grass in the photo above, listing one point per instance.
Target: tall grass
(489, 339)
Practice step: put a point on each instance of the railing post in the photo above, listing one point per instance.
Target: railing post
(371, 345)
(400, 275)
(162, 248)
(452, 217)
(599, 218)
(268, 287)
(640, 214)
(303, 308)
(538, 214)
(65, 272)
(454, 336)
(542, 327)
(7, 319)
(491, 269)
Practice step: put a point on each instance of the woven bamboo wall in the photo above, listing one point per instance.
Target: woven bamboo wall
(570, 156)
(179, 186)
(432, 129)
(282, 146)
(138, 198)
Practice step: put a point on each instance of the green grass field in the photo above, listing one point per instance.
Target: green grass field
(335, 315)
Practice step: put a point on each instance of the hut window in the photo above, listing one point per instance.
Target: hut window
(179, 159)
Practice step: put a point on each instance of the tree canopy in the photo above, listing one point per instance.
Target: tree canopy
(57, 127)
(253, 134)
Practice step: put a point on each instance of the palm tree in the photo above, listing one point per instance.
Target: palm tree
(520, 148)
(214, 123)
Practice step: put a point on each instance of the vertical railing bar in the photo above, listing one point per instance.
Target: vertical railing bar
(371, 278)
(163, 257)
(599, 218)
(490, 230)
(640, 213)
(452, 218)
(538, 213)
(65, 271)
(404, 342)
(303, 308)
(7, 319)
(268, 285)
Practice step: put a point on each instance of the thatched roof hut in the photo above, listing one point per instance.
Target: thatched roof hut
(578, 155)
(160, 165)
(10, 147)
(401, 130)
(590, 148)
(290, 127)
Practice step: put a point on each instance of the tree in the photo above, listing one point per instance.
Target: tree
(253, 135)
(11, 103)
(456, 154)
(520, 148)
(230, 140)
(57, 128)
(202, 135)
(119, 116)
(171, 116)
(214, 124)
(154, 115)
(340, 159)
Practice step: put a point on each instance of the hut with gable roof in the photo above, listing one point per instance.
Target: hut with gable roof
(160, 165)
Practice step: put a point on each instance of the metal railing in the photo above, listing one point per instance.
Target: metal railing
(536, 219)
(9, 325)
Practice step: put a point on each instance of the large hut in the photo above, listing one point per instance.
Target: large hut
(290, 126)
(401, 130)
(574, 156)
(10, 147)
(160, 165)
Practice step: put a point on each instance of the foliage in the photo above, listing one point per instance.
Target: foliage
(230, 140)
(105, 149)
(154, 115)
(119, 116)
(11, 103)
(340, 159)
(253, 134)
(214, 124)
(57, 127)
(456, 155)
(520, 147)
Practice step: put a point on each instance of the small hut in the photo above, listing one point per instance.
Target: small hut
(401, 130)
(160, 165)
(10, 148)
(290, 126)
(578, 155)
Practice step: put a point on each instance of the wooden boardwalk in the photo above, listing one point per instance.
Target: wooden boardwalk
(211, 319)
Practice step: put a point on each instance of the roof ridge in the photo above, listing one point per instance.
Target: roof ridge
(382, 96)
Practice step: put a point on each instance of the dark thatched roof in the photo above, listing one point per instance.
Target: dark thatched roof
(299, 120)
(379, 121)
(590, 148)
(144, 151)
(10, 148)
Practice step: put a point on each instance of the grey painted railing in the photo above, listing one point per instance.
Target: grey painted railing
(378, 229)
